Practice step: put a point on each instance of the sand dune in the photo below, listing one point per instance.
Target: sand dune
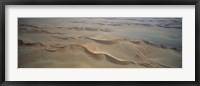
(96, 44)
(105, 41)
(96, 55)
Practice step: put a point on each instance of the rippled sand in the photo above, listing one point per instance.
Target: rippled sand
(99, 43)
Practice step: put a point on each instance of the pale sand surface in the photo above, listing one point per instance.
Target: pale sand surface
(99, 43)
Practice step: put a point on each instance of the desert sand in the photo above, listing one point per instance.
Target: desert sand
(100, 42)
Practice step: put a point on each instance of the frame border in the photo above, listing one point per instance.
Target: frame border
(98, 2)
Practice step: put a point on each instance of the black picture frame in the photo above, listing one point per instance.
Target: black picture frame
(98, 2)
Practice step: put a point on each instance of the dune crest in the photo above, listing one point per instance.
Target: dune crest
(98, 55)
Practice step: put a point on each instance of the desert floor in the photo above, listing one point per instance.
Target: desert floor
(99, 43)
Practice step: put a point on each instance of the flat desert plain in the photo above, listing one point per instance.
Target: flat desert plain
(100, 42)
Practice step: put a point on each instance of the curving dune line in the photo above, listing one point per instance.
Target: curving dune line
(36, 29)
(135, 42)
(21, 42)
(97, 55)
(119, 40)
(40, 31)
(70, 28)
(140, 54)
(29, 26)
(89, 29)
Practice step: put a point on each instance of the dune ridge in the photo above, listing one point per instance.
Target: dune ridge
(38, 29)
(119, 40)
(72, 46)
(26, 25)
(98, 55)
